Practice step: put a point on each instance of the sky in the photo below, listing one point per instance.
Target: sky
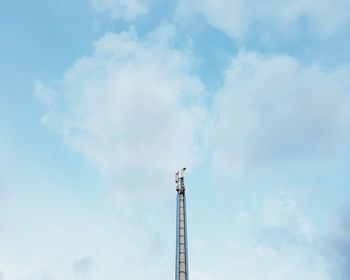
(102, 101)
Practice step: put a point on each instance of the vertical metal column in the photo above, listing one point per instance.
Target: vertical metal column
(181, 270)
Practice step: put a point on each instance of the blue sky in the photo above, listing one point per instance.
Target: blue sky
(101, 101)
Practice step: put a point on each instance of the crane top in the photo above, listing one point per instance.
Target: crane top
(179, 180)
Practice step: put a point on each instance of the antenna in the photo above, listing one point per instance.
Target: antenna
(179, 180)
(181, 266)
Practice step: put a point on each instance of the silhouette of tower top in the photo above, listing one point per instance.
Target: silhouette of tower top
(181, 267)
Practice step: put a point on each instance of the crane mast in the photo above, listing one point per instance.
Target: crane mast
(181, 267)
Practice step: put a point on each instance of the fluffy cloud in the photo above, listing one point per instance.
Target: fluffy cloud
(278, 248)
(82, 267)
(51, 242)
(340, 247)
(239, 16)
(269, 263)
(133, 107)
(48, 241)
(125, 9)
(274, 110)
(285, 216)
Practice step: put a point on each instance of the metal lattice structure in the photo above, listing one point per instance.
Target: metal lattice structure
(181, 267)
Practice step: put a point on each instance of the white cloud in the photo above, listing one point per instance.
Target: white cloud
(83, 266)
(51, 243)
(238, 16)
(126, 9)
(278, 241)
(51, 238)
(275, 112)
(339, 247)
(132, 107)
(259, 261)
(115, 253)
(285, 214)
